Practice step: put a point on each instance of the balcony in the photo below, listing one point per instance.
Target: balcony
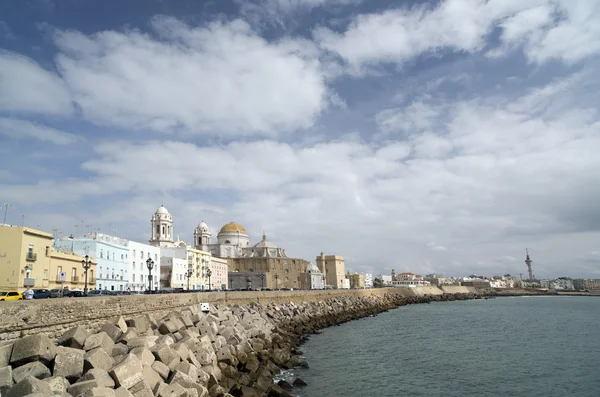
(76, 279)
(31, 257)
(28, 282)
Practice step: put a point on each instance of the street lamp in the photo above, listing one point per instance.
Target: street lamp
(150, 265)
(209, 273)
(189, 275)
(298, 282)
(248, 283)
(276, 278)
(86, 263)
(323, 278)
(262, 277)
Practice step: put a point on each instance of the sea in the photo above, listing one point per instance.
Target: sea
(508, 346)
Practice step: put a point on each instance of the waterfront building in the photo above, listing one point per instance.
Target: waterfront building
(139, 276)
(355, 280)
(312, 278)
(247, 281)
(410, 283)
(384, 280)
(173, 272)
(28, 259)
(475, 282)
(562, 283)
(592, 283)
(198, 262)
(111, 254)
(407, 276)
(219, 269)
(332, 267)
(368, 280)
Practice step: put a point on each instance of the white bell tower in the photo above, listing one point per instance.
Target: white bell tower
(162, 228)
(202, 237)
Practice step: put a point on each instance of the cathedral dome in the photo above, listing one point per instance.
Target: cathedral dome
(264, 243)
(202, 225)
(312, 268)
(233, 227)
(161, 210)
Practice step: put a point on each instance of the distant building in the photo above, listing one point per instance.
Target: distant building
(139, 276)
(410, 283)
(111, 254)
(173, 272)
(198, 263)
(312, 278)
(356, 280)
(386, 280)
(247, 280)
(219, 271)
(332, 266)
(368, 280)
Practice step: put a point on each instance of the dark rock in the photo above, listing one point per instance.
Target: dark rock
(285, 385)
(299, 382)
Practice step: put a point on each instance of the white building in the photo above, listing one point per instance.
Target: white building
(139, 254)
(173, 272)
(313, 277)
(386, 279)
(410, 283)
(368, 280)
(218, 278)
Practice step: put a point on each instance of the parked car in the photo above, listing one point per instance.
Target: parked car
(56, 293)
(41, 294)
(100, 292)
(74, 294)
(11, 296)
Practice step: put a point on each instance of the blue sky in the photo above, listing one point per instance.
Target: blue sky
(423, 136)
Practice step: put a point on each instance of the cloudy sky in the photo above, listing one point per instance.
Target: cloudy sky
(425, 136)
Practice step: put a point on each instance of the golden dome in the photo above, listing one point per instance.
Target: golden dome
(233, 227)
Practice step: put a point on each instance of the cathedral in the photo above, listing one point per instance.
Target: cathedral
(233, 244)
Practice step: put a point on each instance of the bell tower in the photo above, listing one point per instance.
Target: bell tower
(162, 228)
(202, 237)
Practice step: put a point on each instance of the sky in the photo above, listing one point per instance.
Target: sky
(423, 136)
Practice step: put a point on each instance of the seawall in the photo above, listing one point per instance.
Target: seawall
(229, 349)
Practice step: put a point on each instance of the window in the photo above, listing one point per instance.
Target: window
(73, 273)
(113, 256)
(141, 278)
(100, 272)
(30, 250)
(101, 253)
(133, 280)
(163, 229)
(155, 257)
(108, 255)
(47, 250)
(121, 256)
(91, 275)
(141, 254)
(59, 270)
(45, 274)
(134, 253)
(112, 287)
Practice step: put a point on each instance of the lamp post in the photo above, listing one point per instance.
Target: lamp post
(276, 278)
(86, 264)
(298, 282)
(323, 278)
(189, 275)
(209, 273)
(248, 283)
(230, 283)
(150, 265)
(262, 278)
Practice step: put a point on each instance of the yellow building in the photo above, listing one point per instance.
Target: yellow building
(199, 263)
(357, 280)
(28, 260)
(332, 266)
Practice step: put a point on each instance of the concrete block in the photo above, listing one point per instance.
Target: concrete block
(112, 331)
(101, 377)
(120, 322)
(58, 384)
(141, 324)
(140, 341)
(161, 369)
(128, 372)
(100, 339)
(74, 337)
(141, 389)
(27, 386)
(166, 355)
(129, 335)
(32, 348)
(152, 378)
(6, 378)
(98, 358)
(203, 377)
(98, 392)
(122, 392)
(144, 355)
(188, 369)
(172, 390)
(68, 363)
(35, 369)
(5, 352)
(181, 349)
(167, 327)
(192, 392)
(187, 382)
(78, 388)
(167, 339)
(204, 356)
(119, 349)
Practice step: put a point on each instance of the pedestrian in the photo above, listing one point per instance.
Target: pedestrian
(28, 294)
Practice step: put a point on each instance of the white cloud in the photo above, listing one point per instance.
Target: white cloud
(27, 88)
(22, 129)
(283, 11)
(547, 29)
(218, 79)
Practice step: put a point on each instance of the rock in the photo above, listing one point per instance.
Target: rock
(127, 373)
(119, 349)
(58, 384)
(140, 341)
(299, 382)
(35, 369)
(68, 363)
(27, 386)
(32, 348)
(101, 377)
(98, 358)
(78, 388)
(100, 339)
(172, 390)
(120, 322)
(5, 352)
(98, 392)
(285, 385)
(151, 377)
(74, 337)
(187, 369)
(141, 323)
(166, 355)
(141, 389)
(277, 391)
(129, 335)
(122, 392)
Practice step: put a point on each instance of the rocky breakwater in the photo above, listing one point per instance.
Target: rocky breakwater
(219, 350)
